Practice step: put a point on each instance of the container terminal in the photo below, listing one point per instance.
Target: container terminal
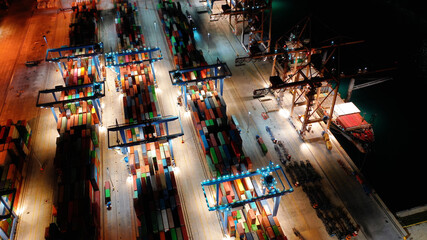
(164, 120)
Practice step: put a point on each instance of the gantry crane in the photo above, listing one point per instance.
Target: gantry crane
(249, 18)
(269, 188)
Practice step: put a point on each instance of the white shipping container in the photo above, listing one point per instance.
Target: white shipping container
(165, 220)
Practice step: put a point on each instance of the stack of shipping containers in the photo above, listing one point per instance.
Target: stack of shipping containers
(128, 30)
(179, 36)
(78, 72)
(15, 139)
(156, 200)
(76, 206)
(139, 98)
(83, 27)
(219, 137)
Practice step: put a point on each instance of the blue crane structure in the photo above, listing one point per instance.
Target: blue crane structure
(65, 53)
(142, 128)
(137, 56)
(97, 89)
(218, 71)
(268, 176)
(118, 59)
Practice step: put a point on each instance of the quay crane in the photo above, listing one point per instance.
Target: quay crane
(307, 73)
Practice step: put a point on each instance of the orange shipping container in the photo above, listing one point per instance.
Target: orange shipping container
(259, 234)
(265, 223)
(251, 217)
(231, 226)
(58, 125)
(270, 233)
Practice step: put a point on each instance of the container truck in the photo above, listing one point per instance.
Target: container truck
(107, 194)
(262, 144)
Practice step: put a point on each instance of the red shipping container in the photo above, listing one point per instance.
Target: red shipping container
(226, 138)
(172, 175)
(218, 111)
(213, 140)
(207, 115)
(227, 187)
(270, 233)
(177, 200)
(181, 215)
(218, 154)
(229, 199)
(184, 233)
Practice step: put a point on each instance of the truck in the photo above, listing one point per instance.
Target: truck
(261, 144)
(107, 191)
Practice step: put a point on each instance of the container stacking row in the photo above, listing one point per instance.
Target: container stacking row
(221, 143)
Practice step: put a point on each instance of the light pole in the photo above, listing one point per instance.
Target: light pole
(209, 36)
(38, 161)
(249, 120)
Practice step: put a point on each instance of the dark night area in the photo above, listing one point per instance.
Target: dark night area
(395, 37)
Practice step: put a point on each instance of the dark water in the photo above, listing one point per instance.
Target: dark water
(395, 36)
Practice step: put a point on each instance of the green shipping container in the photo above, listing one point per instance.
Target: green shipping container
(221, 150)
(276, 230)
(88, 119)
(246, 227)
(209, 162)
(80, 119)
(94, 138)
(238, 216)
(264, 148)
(254, 228)
(173, 234)
(213, 155)
(221, 138)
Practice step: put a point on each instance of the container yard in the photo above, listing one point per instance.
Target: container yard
(224, 156)
(15, 141)
(158, 136)
(218, 136)
(148, 155)
(76, 208)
